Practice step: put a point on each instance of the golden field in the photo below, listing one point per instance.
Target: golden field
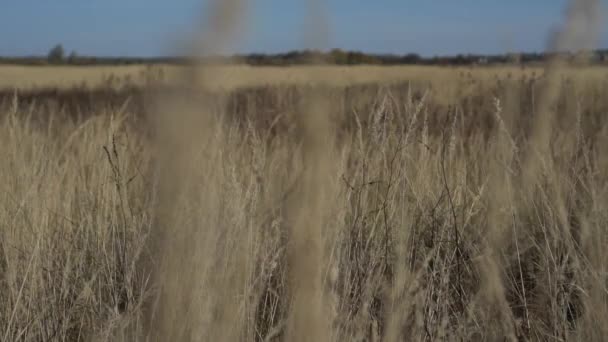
(328, 203)
(238, 76)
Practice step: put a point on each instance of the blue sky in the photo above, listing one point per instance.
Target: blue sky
(154, 27)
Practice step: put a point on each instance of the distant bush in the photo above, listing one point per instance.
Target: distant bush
(56, 54)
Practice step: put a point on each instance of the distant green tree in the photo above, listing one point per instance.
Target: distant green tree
(56, 54)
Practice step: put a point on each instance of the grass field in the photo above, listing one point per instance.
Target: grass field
(236, 76)
(394, 204)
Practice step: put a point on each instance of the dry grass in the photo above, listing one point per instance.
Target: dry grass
(407, 217)
(238, 76)
(306, 203)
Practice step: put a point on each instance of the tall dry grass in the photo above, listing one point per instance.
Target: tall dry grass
(74, 222)
(427, 231)
(464, 209)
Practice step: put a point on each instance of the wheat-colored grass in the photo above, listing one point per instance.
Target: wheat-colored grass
(235, 76)
(459, 204)
(427, 232)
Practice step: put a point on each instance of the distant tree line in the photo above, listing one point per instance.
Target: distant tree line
(340, 57)
(57, 56)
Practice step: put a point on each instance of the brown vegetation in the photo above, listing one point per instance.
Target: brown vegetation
(238, 76)
(427, 226)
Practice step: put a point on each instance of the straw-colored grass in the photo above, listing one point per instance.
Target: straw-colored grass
(412, 220)
(237, 76)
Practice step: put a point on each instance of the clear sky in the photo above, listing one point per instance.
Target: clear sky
(153, 27)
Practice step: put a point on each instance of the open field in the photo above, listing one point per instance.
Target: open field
(393, 204)
(238, 76)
